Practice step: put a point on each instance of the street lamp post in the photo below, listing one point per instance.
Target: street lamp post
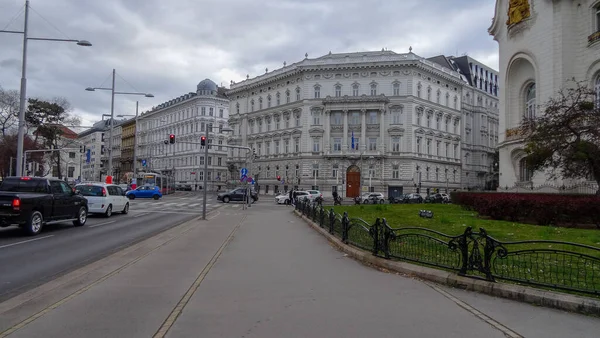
(112, 113)
(23, 91)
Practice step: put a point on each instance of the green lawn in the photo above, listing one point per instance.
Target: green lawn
(453, 219)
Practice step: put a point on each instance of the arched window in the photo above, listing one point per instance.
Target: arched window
(525, 174)
(530, 101)
(597, 88)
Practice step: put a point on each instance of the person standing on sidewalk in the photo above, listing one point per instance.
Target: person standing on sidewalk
(290, 200)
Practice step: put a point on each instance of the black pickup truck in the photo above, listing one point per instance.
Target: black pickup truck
(31, 202)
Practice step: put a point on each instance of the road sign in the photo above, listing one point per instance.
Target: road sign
(243, 178)
(244, 171)
(143, 163)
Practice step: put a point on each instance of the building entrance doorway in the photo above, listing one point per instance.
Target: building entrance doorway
(353, 181)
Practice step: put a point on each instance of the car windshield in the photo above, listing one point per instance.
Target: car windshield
(89, 190)
(36, 186)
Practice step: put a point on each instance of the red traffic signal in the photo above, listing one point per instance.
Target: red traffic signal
(172, 138)
(278, 178)
(202, 140)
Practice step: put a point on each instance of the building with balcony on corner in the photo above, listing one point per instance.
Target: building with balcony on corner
(351, 122)
(542, 45)
(188, 117)
(480, 115)
(127, 144)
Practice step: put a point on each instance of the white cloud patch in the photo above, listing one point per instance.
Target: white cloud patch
(166, 48)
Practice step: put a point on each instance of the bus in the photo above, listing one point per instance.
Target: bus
(164, 182)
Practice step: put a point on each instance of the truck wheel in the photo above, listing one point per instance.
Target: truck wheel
(34, 224)
(81, 217)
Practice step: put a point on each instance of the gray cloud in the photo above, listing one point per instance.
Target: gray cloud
(166, 48)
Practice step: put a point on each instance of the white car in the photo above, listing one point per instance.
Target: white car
(282, 198)
(104, 198)
(312, 194)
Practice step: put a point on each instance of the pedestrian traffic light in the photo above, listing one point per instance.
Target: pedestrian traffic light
(278, 178)
(172, 138)
(203, 140)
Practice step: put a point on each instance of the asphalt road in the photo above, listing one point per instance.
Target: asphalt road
(26, 262)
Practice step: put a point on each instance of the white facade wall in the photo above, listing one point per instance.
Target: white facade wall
(548, 48)
(188, 118)
(94, 142)
(406, 87)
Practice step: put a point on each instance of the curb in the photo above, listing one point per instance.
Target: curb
(526, 294)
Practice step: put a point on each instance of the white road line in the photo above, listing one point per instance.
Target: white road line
(27, 241)
(193, 204)
(97, 225)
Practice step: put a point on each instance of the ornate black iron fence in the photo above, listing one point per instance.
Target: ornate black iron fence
(553, 264)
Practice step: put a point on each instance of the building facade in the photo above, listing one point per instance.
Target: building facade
(70, 159)
(188, 117)
(480, 121)
(95, 140)
(127, 144)
(542, 45)
(351, 122)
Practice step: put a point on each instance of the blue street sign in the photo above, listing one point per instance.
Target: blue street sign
(143, 163)
(243, 178)
(88, 156)
(244, 171)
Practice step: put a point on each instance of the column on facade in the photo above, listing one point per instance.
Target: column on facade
(345, 138)
(363, 130)
(382, 131)
(327, 127)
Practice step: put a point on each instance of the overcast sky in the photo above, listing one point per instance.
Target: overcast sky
(167, 47)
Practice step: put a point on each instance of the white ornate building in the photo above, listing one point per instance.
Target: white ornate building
(542, 45)
(188, 117)
(401, 112)
(480, 121)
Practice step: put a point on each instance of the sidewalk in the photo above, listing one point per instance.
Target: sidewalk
(263, 272)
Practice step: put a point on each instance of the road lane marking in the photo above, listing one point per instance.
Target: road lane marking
(41, 313)
(482, 316)
(168, 323)
(97, 225)
(27, 241)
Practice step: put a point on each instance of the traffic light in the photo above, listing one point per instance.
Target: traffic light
(172, 138)
(278, 178)
(203, 140)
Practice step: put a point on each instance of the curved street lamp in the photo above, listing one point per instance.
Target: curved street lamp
(112, 113)
(23, 90)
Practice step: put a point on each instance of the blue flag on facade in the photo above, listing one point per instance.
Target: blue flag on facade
(353, 139)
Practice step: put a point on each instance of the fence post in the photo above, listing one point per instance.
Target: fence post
(488, 251)
(463, 247)
(387, 237)
(375, 234)
(321, 216)
(331, 220)
(345, 226)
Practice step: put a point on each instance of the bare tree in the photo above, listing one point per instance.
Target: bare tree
(9, 110)
(566, 138)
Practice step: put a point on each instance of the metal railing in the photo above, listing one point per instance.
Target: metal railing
(476, 254)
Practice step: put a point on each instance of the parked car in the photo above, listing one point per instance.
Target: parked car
(413, 198)
(104, 198)
(434, 198)
(301, 195)
(446, 197)
(237, 194)
(312, 194)
(397, 199)
(283, 198)
(32, 202)
(372, 198)
(145, 191)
